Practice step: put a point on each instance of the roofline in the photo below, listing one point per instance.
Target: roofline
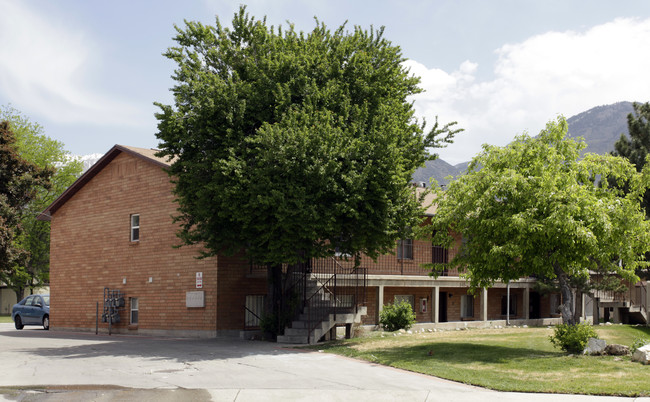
(112, 153)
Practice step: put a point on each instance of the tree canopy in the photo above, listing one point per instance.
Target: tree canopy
(19, 181)
(533, 208)
(637, 146)
(48, 155)
(289, 145)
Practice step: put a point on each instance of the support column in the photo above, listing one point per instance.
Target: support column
(484, 304)
(596, 311)
(435, 301)
(380, 299)
(526, 303)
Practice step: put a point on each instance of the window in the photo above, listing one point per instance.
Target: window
(407, 298)
(253, 311)
(134, 309)
(405, 249)
(466, 306)
(513, 305)
(135, 227)
(439, 254)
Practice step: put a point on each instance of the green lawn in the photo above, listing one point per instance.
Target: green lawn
(509, 359)
(5, 318)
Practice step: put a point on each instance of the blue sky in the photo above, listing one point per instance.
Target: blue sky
(90, 71)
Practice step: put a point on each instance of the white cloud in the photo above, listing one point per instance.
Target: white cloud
(42, 69)
(535, 80)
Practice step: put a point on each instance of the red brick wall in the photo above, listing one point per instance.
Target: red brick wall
(418, 293)
(91, 249)
(494, 303)
(234, 283)
(371, 318)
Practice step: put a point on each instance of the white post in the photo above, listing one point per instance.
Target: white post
(526, 303)
(380, 299)
(435, 300)
(484, 304)
(508, 303)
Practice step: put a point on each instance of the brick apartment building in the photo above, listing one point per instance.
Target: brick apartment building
(112, 229)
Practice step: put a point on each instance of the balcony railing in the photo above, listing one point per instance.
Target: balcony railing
(407, 261)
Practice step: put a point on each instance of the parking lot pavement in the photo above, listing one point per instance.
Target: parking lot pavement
(50, 365)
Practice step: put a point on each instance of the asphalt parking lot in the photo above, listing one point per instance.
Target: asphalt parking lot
(38, 365)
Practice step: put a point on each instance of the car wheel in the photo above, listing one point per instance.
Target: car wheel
(46, 322)
(18, 322)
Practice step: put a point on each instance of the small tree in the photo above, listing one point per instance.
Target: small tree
(532, 208)
(398, 315)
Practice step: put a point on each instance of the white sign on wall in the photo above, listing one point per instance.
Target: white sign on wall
(195, 299)
(199, 280)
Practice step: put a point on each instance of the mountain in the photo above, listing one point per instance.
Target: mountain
(600, 126)
(89, 160)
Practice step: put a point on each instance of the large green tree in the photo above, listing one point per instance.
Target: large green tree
(19, 181)
(533, 208)
(637, 146)
(49, 155)
(287, 144)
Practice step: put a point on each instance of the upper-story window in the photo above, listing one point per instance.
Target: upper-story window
(135, 227)
(405, 249)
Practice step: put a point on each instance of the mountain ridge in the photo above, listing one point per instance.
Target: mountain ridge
(600, 126)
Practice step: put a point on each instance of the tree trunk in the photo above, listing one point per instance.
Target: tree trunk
(566, 308)
(274, 295)
(578, 310)
(20, 293)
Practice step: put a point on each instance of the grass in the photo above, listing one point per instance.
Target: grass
(509, 359)
(5, 319)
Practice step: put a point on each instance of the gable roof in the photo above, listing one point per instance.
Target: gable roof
(146, 154)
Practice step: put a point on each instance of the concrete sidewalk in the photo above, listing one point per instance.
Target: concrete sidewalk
(53, 366)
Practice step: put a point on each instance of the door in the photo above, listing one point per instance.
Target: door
(534, 311)
(442, 307)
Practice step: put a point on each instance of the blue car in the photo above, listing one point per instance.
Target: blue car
(32, 310)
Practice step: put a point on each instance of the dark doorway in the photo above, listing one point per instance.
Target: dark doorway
(442, 307)
(534, 311)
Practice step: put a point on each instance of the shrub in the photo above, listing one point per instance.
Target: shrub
(639, 342)
(397, 316)
(572, 338)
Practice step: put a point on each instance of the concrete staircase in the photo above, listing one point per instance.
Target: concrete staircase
(320, 300)
(639, 314)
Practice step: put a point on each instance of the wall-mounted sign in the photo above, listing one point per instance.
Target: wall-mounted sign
(199, 280)
(195, 299)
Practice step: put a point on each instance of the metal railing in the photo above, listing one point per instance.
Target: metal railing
(635, 294)
(335, 289)
(406, 262)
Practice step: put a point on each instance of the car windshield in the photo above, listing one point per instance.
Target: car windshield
(46, 299)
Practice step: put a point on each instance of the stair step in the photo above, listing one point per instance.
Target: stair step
(296, 331)
(300, 339)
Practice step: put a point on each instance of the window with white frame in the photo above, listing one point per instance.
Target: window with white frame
(253, 311)
(466, 306)
(134, 304)
(135, 227)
